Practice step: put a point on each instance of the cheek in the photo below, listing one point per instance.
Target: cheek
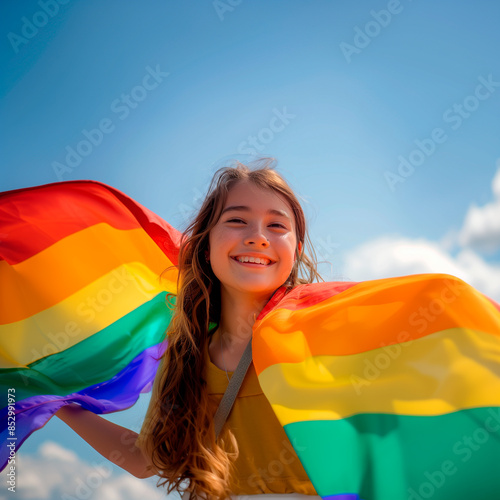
(214, 238)
(288, 247)
(218, 245)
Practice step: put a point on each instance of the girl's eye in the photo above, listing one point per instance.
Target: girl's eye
(274, 224)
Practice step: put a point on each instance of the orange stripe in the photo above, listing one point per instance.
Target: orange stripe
(370, 315)
(83, 314)
(74, 262)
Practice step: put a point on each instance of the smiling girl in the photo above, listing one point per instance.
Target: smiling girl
(246, 242)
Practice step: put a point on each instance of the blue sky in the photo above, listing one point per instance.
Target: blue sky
(383, 115)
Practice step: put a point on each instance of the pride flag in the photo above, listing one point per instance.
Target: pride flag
(82, 310)
(388, 389)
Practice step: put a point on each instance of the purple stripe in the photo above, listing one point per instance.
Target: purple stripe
(106, 397)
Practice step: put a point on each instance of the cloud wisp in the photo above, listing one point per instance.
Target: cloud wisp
(396, 255)
(55, 472)
(481, 228)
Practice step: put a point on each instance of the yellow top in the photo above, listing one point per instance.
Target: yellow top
(267, 462)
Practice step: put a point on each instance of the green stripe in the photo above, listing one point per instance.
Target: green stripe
(388, 457)
(94, 359)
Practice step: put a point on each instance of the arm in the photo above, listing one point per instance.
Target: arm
(112, 441)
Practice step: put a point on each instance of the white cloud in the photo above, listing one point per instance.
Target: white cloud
(495, 185)
(53, 451)
(484, 276)
(125, 487)
(391, 256)
(481, 227)
(396, 256)
(56, 473)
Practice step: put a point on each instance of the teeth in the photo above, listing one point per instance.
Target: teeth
(256, 260)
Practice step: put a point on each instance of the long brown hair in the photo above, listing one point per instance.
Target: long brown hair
(181, 441)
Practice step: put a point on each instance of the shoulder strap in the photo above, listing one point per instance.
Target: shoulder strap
(233, 387)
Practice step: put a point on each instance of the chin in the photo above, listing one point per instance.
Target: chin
(257, 288)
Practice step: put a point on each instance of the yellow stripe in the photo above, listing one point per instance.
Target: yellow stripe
(437, 374)
(76, 318)
(71, 264)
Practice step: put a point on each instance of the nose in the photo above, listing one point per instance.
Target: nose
(256, 237)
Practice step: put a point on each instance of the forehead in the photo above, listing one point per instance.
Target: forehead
(246, 193)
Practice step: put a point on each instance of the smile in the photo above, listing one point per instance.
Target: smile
(244, 259)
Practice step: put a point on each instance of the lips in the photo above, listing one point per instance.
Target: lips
(256, 261)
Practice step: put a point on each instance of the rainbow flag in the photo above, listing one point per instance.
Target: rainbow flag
(388, 389)
(82, 310)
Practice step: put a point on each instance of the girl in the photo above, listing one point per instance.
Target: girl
(246, 242)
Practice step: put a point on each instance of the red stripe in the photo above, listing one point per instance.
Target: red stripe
(35, 218)
(301, 297)
(496, 304)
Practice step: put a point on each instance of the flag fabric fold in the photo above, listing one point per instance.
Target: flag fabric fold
(83, 312)
(388, 389)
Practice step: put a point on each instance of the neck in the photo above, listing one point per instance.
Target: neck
(238, 315)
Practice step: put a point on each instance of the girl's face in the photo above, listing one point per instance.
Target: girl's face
(255, 224)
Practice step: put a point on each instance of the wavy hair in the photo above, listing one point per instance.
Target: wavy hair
(181, 442)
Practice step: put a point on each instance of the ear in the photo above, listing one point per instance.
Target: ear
(299, 247)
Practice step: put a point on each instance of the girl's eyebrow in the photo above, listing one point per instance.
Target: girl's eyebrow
(243, 208)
